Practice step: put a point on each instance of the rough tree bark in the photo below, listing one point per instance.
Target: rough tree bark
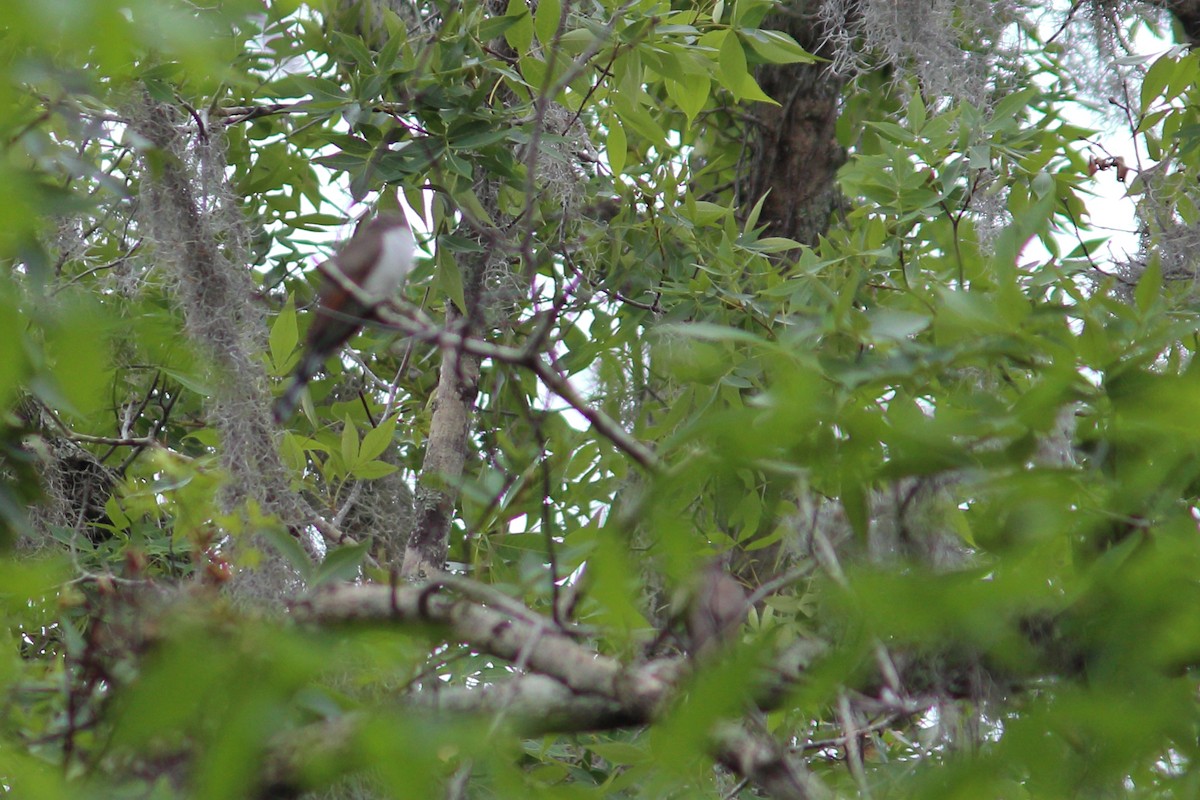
(1188, 14)
(795, 150)
(445, 458)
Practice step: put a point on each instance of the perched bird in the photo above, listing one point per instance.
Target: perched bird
(376, 259)
(716, 609)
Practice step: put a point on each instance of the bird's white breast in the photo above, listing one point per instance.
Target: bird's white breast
(395, 262)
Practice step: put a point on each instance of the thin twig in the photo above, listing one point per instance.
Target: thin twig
(853, 745)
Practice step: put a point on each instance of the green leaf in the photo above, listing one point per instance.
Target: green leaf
(341, 564)
(372, 470)
(1157, 78)
(466, 199)
(916, 111)
(112, 508)
(1010, 107)
(77, 353)
(13, 360)
(750, 13)
(379, 439)
(891, 324)
(1149, 287)
(288, 547)
(353, 46)
(533, 70)
(389, 54)
(774, 244)
(711, 333)
(520, 34)
(777, 47)
(752, 217)
(293, 454)
(633, 115)
(735, 72)
(460, 244)
(893, 132)
(493, 27)
(615, 146)
(1183, 77)
(350, 446)
(1043, 184)
(316, 222)
(449, 281)
(285, 336)
(578, 40)
(189, 381)
(690, 93)
(705, 212)
(856, 504)
(546, 20)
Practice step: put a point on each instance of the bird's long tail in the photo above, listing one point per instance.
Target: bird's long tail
(288, 402)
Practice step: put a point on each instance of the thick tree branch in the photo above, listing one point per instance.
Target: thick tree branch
(1188, 14)
(489, 630)
(445, 458)
(762, 760)
(535, 705)
(576, 690)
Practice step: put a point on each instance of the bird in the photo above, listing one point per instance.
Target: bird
(716, 609)
(378, 257)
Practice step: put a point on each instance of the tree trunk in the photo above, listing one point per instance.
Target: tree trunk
(796, 152)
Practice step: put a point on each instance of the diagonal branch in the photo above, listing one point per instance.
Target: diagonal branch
(604, 425)
(418, 327)
(573, 688)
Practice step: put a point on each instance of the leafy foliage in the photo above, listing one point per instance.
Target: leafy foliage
(958, 431)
